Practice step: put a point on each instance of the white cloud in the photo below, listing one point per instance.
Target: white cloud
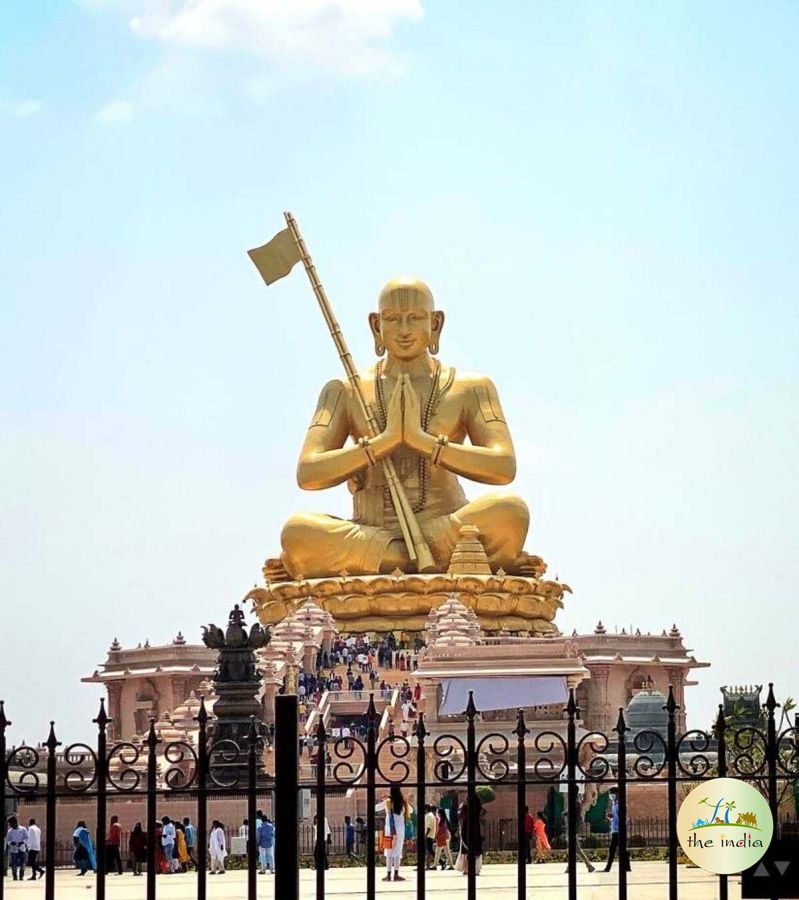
(21, 108)
(118, 112)
(345, 36)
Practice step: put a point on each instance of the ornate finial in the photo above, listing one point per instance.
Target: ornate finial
(623, 631)
(771, 701)
(421, 731)
(102, 719)
(671, 704)
(179, 639)
(572, 709)
(371, 712)
(600, 628)
(501, 572)
(202, 713)
(469, 556)
(574, 633)
(721, 723)
(675, 632)
(621, 724)
(521, 728)
(321, 734)
(152, 737)
(115, 645)
(146, 643)
(52, 741)
(471, 709)
(4, 723)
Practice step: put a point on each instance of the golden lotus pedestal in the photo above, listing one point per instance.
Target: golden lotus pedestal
(402, 602)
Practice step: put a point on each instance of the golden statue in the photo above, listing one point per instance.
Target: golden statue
(436, 423)
(400, 434)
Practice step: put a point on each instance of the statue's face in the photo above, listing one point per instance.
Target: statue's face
(406, 333)
(407, 323)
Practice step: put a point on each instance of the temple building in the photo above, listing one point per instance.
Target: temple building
(607, 670)
(149, 681)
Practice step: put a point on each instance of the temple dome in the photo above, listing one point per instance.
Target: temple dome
(646, 712)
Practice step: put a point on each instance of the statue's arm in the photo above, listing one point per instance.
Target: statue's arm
(490, 457)
(324, 460)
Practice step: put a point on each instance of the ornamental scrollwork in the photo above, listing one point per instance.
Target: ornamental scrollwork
(80, 768)
(492, 757)
(126, 766)
(25, 762)
(349, 760)
(181, 766)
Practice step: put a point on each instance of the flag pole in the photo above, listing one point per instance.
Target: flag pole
(418, 549)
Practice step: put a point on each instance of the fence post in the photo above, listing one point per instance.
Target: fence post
(771, 757)
(102, 786)
(521, 801)
(472, 816)
(572, 711)
(4, 723)
(671, 761)
(371, 799)
(621, 730)
(152, 743)
(50, 829)
(201, 844)
(421, 809)
(721, 749)
(287, 872)
(320, 838)
(252, 852)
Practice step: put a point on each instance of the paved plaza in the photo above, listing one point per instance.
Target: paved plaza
(648, 881)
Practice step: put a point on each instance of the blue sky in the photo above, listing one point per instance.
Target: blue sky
(603, 197)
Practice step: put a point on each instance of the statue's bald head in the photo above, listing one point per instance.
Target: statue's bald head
(407, 322)
(406, 293)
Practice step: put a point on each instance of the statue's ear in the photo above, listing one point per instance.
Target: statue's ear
(374, 325)
(437, 326)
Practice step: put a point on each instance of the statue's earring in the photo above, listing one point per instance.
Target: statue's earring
(379, 348)
(433, 345)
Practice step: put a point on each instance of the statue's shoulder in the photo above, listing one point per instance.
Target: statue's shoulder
(466, 380)
(478, 394)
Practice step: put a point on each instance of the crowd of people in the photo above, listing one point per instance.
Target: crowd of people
(175, 841)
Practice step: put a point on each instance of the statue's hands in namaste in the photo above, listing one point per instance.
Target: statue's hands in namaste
(403, 417)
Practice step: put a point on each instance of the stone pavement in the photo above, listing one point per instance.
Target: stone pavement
(648, 881)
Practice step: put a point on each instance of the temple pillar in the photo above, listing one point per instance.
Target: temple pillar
(115, 710)
(676, 677)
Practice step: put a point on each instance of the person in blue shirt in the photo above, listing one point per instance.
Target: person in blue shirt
(614, 833)
(266, 845)
(349, 837)
(190, 833)
(83, 855)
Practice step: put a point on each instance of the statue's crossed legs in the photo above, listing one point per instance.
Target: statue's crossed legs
(317, 545)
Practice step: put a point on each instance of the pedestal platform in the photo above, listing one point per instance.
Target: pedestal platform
(402, 602)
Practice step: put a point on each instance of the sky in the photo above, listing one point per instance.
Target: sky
(603, 198)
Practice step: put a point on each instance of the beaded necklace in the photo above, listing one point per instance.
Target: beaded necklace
(427, 412)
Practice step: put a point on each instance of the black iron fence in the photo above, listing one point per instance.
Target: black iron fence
(425, 766)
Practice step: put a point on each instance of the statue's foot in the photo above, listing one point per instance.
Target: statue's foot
(527, 565)
(275, 571)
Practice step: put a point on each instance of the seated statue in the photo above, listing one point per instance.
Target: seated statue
(436, 424)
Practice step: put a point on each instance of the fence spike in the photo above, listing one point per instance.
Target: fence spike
(102, 719)
(52, 742)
